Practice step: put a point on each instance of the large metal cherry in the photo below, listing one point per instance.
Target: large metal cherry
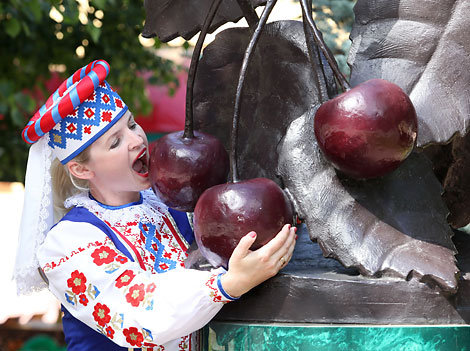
(367, 131)
(227, 212)
(181, 168)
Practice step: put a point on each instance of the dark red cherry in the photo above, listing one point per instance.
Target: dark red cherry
(367, 131)
(180, 169)
(227, 212)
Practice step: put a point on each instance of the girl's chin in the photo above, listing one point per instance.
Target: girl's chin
(145, 184)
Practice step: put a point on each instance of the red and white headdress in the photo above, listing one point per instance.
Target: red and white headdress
(79, 112)
(82, 109)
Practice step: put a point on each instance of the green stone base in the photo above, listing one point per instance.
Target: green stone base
(219, 336)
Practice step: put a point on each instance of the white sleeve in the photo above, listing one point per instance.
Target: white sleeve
(102, 288)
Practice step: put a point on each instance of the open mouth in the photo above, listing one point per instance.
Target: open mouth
(140, 164)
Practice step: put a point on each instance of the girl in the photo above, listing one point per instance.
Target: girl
(103, 259)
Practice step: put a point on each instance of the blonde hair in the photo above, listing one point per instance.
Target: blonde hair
(65, 184)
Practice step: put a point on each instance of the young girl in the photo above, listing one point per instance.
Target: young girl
(103, 259)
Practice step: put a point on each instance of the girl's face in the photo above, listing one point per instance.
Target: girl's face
(118, 163)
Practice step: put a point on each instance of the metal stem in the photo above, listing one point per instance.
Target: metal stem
(317, 36)
(249, 12)
(246, 60)
(188, 124)
(315, 61)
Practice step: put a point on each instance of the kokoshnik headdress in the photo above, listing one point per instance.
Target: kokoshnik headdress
(82, 109)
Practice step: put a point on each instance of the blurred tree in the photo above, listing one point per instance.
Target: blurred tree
(43, 37)
(334, 19)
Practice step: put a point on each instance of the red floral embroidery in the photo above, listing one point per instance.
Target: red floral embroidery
(87, 129)
(101, 314)
(135, 294)
(153, 347)
(83, 300)
(110, 332)
(106, 116)
(77, 282)
(103, 255)
(183, 345)
(150, 288)
(118, 103)
(51, 265)
(216, 297)
(133, 336)
(121, 259)
(89, 112)
(125, 278)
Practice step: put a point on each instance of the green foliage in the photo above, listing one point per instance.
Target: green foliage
(33, 43)
(41, 343)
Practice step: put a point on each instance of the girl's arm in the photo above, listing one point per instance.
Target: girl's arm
(116, 297)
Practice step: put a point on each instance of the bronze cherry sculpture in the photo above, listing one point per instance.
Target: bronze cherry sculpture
(367, 131)
(182, 168)
(227, 212)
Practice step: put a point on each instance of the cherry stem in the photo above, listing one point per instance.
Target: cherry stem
(188, 124)
(317, 36)
(249, 12)
(315, 60)
(241, 80)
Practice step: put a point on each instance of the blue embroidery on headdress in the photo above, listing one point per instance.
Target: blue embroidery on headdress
(91, 112)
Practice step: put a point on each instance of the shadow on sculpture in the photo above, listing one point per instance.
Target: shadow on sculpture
(397, 230)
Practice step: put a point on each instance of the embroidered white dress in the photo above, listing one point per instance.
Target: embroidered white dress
(143, 300)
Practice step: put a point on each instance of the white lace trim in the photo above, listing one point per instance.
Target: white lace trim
(37, 218)
(150, 210)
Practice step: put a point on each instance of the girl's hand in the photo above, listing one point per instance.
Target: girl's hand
(249, 268)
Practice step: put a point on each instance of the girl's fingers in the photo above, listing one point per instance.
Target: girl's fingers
(287, 247)
(278, 241)
(291, 249)
(287, 255)
(243, 247)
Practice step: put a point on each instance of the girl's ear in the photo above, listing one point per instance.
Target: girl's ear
(79, 170)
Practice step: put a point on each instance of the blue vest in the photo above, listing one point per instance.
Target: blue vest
(79, 336)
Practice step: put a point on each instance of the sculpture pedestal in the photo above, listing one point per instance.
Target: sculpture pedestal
(281, 337)
(316, 300)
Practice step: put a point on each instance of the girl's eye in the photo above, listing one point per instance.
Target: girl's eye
(115, 143)
(132, 125)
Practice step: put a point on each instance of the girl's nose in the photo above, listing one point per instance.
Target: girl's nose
(135, 140)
